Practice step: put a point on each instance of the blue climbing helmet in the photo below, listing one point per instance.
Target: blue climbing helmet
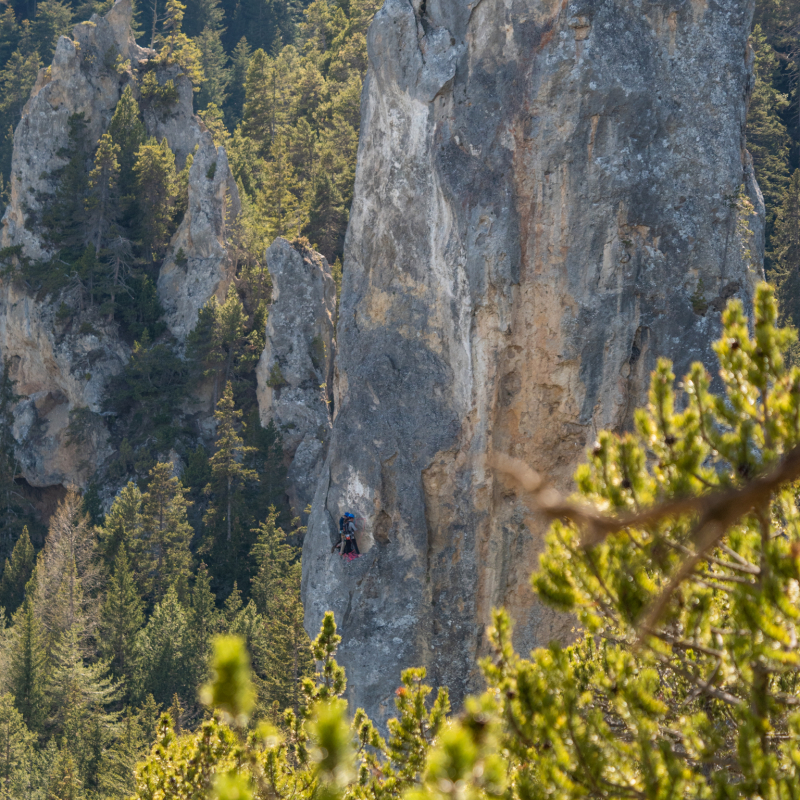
(349, 515)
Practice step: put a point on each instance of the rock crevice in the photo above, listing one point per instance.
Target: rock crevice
(295, 371)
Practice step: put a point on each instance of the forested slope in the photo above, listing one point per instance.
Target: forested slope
(109, 606)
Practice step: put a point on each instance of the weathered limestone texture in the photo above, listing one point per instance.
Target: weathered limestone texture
(197, 264)
(62, 373)
(545, 201)
(295, 371)
(57, 372)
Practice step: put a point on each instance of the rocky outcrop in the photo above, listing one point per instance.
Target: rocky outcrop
(547, 199)
(295, 371)
(81, 80)
(61, 372)
(197, 265)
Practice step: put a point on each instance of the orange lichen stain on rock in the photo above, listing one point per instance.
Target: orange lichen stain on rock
(439, 488)
(664, 26)
(380, 303)
(592, 134)
(699, 8)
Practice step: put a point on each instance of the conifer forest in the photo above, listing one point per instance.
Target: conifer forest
(152, 639)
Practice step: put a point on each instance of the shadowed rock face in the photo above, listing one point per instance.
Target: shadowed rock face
(546, 201)
(295, 371)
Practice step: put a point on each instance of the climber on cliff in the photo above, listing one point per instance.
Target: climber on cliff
(347, 534)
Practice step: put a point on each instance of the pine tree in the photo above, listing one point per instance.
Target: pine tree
(327, 218)
(220, 341)
(162, 651)
(102, 202)
(16, 512)
(64, 217)
(127, 132)
(786, 252)
(16, 743)
(64, 780)
(122, 618)
(122, 523)
(767, 139)
(163, 549)
(234, 105)
(173, 21)
(278, 199)
(29, 664)
(201, 14)
(67, 575)
(217, 74)
(269, 96)
(276, 592)
(16, 573)
(16, 81)
(176, 46)
(203, 624)
(80, 694)
(227, 521)
(9, 33)
(53, 19)
(155, 183)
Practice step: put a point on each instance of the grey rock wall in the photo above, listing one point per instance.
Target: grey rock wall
(546, 200)
(295, 371)
(197, 265)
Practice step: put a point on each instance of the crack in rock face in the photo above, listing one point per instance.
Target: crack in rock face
(295, 371)
(549, 196)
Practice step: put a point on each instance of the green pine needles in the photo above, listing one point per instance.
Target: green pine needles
(685, 681)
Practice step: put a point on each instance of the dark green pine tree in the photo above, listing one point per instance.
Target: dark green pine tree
(327, 217)
(767, 139)
(29, 667)
(127, 132)
(240, 58)
(786, 252)
(122, 619)
(217, 73)
(53, 19)
(267, 460)
(204, 622)
(16, 573)
(162, 551)
(227, 520)
(163, 658)
(16, 512)
(286, 655)
(122, 523)
(156, 181)
(201, 14)
(64, 219)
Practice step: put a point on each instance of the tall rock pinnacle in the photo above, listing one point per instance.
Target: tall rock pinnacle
(549, 196)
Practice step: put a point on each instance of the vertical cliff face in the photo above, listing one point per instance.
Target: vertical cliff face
(295, 371)
(62, 370)
(547, 199)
